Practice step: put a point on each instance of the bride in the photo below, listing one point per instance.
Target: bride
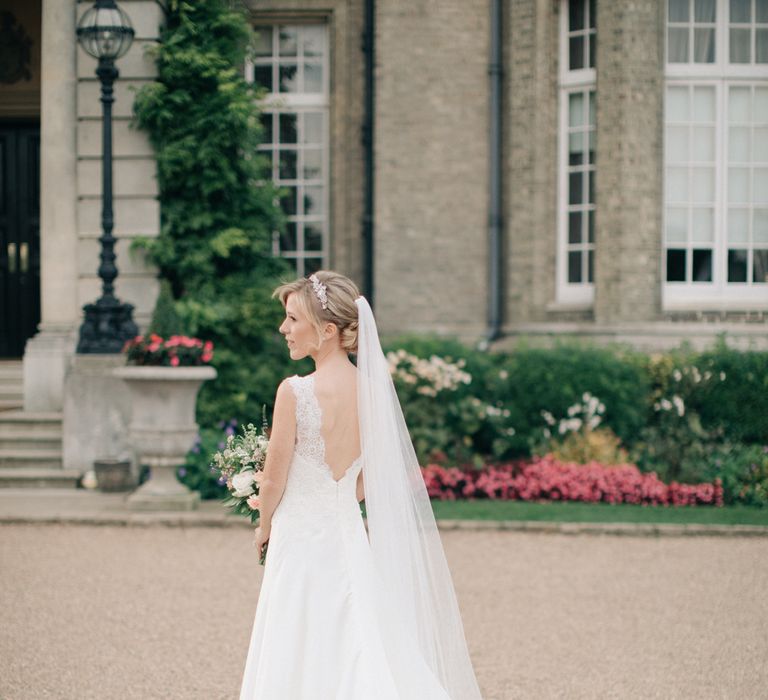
(346, 613)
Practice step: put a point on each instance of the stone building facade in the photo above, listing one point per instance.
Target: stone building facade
(592, 243)
(64, 255)
(633, 171)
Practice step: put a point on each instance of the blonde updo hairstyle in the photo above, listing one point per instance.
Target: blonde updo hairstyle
(341, 310)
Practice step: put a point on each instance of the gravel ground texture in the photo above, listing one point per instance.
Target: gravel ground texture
(166, 612)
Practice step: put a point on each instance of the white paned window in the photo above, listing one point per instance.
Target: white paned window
(291, 62)
(715, 229)
(748, 31)
(581, 34)
(576, 242)
(691, 31)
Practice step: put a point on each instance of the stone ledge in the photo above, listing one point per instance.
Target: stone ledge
(202, 519)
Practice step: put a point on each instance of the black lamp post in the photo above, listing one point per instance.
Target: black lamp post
(105, 32)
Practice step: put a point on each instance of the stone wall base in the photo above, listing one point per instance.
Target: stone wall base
(97, 412)
(46, 357)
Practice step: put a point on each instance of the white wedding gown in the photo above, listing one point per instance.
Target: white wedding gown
(322, 629)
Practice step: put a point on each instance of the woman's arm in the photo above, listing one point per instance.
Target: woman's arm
(279, 454)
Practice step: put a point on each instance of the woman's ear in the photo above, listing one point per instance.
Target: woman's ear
(330, 330)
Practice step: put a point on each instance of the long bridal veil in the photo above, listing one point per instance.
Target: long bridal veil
(403, 535)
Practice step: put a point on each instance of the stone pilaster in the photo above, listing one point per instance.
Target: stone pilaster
(531, 45)
(630, 84)
(47, 353)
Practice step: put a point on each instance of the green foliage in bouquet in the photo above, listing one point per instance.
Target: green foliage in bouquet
(218, 205)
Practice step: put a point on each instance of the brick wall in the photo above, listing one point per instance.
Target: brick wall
(431, 149)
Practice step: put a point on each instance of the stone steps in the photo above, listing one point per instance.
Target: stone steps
(31, 451)
(38, 477)
(11, 384)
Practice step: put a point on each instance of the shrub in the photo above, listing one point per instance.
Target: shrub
(743, 470)
(737, 405)
(447, 419)
(196, 472)
(218, 205)
(578, 437)
(529, 381)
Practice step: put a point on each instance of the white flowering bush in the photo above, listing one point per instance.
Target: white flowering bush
(577, 437)
(446, 418)
(675, 443)
(428, 376)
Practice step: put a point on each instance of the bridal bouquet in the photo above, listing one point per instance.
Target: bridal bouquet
(241, 465)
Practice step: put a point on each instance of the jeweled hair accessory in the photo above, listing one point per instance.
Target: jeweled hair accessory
(319, 288)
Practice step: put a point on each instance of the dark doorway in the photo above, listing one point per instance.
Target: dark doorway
(19, 235)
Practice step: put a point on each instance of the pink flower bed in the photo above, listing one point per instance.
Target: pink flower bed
(546, 478)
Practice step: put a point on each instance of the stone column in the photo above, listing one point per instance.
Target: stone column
(47, 353)
(630, 85)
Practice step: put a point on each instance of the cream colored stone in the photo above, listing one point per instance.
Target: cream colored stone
(96, 412)
(126, 140)
(431, 165)
(137, 63)
(134, 176)
(128, 262)
(47, 353)
(139, 290)
(58, 195)
(133, 216)
(89, 97)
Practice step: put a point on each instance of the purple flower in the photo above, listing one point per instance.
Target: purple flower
(230, 430)
(233, 422)
(221, 480)
(196, 449)
(221, 446)
(182, 471)
(221, 424)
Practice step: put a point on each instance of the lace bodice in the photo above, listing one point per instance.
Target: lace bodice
(312, 491)
(309, 420)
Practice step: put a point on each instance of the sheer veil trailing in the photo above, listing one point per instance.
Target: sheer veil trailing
(405, 542)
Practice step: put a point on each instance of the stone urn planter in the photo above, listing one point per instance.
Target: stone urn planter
(162, 430)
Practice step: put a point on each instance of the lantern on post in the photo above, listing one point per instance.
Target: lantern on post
(105, 32)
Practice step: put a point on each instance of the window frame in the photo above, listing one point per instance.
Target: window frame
(719, 294)
(295, 103)
(570, 81)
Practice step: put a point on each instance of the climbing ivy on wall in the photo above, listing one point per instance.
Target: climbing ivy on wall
(218, 204)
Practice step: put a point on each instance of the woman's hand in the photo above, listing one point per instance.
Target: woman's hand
(260, 540)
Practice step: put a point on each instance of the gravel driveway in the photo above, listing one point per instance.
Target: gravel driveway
(166, 612)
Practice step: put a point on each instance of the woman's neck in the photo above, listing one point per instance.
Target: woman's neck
(331, 360)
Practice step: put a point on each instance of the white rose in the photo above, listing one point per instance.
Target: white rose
(242, 484)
